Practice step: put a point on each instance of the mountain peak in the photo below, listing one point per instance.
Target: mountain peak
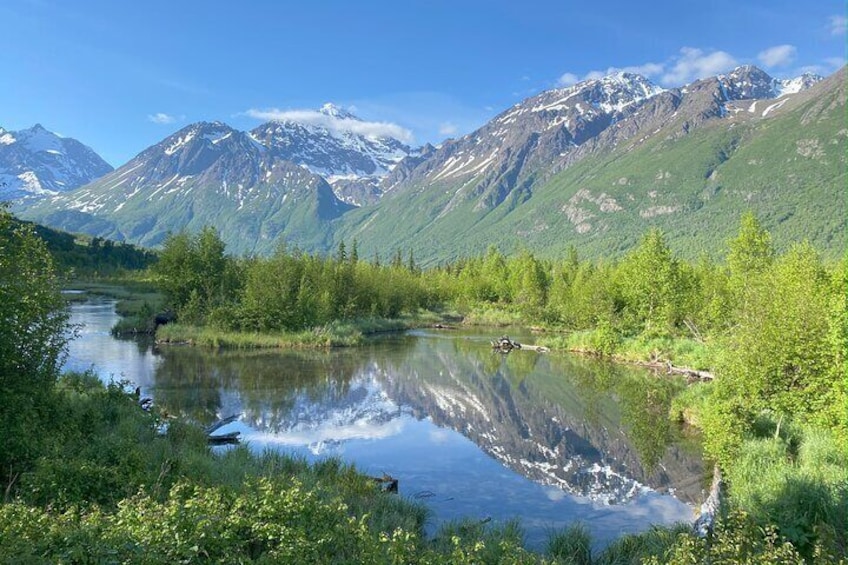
(36, 162)
(751, 82)
(330, 109)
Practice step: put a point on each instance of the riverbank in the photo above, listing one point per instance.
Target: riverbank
(118, 483)
(138, 301)
(336, 334)
(772, 449)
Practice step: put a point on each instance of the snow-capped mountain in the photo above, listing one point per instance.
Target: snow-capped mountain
(502, 156)
(439, 201)
(548, 132)
(204, 174)
(749, 82)
(499, 183)
(334, 145)
(36, 162)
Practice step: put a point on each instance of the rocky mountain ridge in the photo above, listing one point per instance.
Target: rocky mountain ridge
(439, 201)
(504, 181)
(35, 162)
(205, 174)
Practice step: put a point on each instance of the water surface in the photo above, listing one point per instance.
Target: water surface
(547, 439)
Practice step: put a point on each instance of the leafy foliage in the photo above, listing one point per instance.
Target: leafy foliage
(33, 326)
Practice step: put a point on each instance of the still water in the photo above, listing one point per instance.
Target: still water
(547, 439)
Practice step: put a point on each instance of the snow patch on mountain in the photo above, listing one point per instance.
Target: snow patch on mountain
(36, 162)
(797, 84)
(332, 143)
(748, 83)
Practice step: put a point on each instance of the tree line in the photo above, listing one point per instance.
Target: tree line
(777, 326)
(780, 319)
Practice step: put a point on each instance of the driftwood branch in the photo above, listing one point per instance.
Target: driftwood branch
(221, 423)
(701, 375)
(690, 325)
(222, 439)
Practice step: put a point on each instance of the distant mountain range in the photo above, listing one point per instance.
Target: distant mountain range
(35, 162)
(596, 164)
(592, 165)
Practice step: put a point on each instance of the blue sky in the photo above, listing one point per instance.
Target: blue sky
(120, 76)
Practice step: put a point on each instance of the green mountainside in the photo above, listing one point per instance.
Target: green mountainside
(85, 255)
(594, 166)
(789, 168)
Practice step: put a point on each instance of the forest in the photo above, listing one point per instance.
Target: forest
(105, 484)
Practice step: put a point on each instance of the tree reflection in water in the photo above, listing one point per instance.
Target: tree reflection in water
(588, 427)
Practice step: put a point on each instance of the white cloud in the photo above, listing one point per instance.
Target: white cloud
(447, 128)
(161, 118)
(647, 70)
(778, 56)
(812, 69)
(830, 65)
(838, 25)
(568, 79)
(693, 64)
(335, 124)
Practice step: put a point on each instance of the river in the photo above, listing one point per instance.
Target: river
(546, 439)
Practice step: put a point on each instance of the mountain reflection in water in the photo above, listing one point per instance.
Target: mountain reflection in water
(591, 429)
(462, 426)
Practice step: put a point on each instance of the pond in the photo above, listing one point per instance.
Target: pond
(547, 439)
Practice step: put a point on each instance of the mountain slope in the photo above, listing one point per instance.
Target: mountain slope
(35, 162)
(688, 160)
(205, 174)
(593, 165)
(336, 145)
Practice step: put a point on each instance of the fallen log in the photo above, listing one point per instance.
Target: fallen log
(221, 423)
(537, 348)
(701, 375)
(224, 439)
(504, 345)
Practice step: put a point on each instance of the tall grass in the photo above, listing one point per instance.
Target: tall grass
(334, 335)
(634, 549)
(798, 481)
(571, 546)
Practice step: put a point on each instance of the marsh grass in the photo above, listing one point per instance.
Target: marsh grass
(690, 403)
(347, 333)
(334, 335)
(571, 546)
(486, 314)
(635, 549)
(480, 541)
